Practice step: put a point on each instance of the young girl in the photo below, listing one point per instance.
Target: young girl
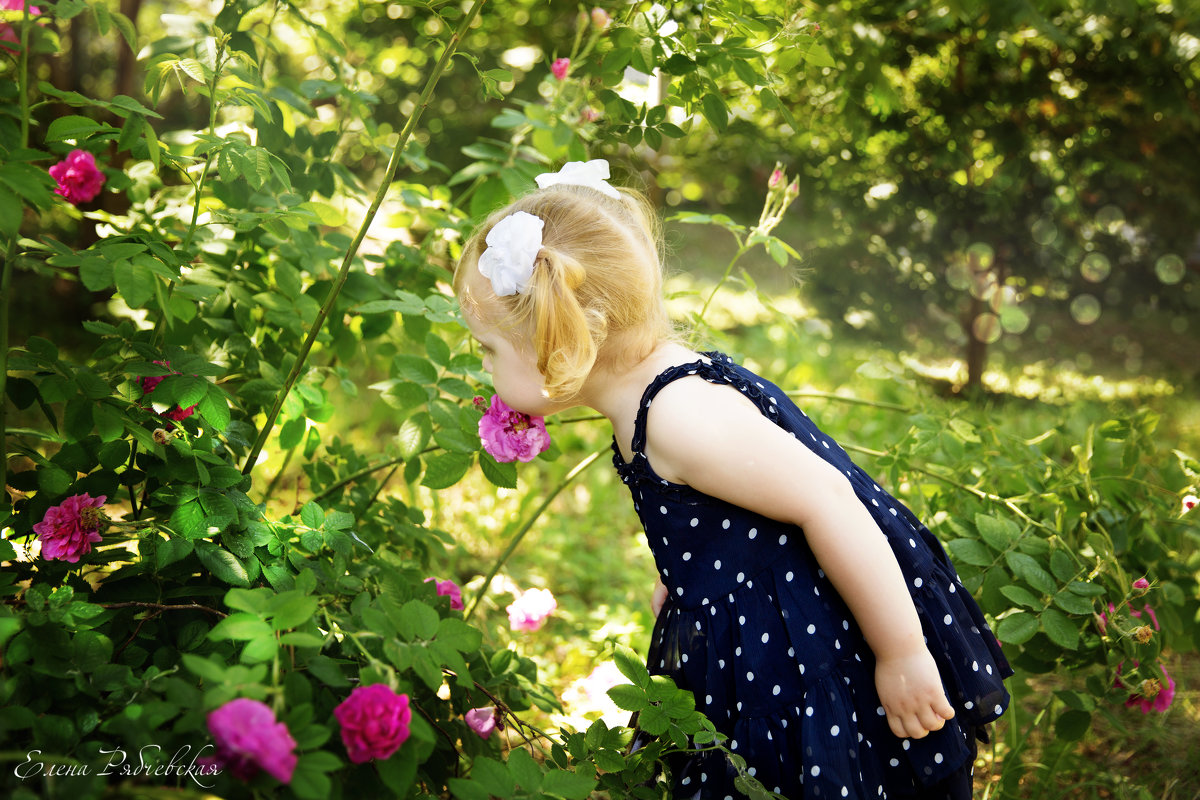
(817, 621)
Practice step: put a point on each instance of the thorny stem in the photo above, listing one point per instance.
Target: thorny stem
(520, 534)
(344, 273)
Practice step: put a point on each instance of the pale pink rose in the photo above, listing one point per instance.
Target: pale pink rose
(79, 180)
(482, 720)
(600, 18)
(529, 610)
(560, 67)
(510, 435)
(7, 34)
(70, 528)
(249, 739)
(148, 384)
(375, 722)
(451, 589)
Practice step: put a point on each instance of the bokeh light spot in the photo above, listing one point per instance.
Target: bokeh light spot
(1085, 309)
(1169, 268)
(1095, 267)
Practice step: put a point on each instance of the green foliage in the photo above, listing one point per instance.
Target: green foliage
(241, 317)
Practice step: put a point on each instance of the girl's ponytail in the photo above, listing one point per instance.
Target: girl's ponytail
(568, 336)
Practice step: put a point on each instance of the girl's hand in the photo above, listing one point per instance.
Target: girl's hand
(911, 692)
(659, 597)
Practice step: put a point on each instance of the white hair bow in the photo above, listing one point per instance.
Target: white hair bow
(513, 246)
(592, 173)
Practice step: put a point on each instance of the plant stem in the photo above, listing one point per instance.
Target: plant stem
(344, 273)
(741, 251)
(520, 534)
(9, 254)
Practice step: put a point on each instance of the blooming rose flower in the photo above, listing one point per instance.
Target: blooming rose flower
(559, 67)
(78, 178)
(70, 528)
(510, 435)
(148, 385)
(483, 720)
(529, 610)
(600, 17)
(248, 738)
(449, 588)
(374, 722)
(7, 34)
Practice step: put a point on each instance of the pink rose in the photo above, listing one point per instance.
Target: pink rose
(374, 722)
(483, 720)
(510, 435)
(1150, 694)
(148, 385)
(560, 67)
(78, 178)
(529, 610)
(248, 738)
(7, 34)
(449, 588)
(1141, 583)
(600, 18)
(70, 528)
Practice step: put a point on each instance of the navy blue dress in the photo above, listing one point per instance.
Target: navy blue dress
(773, 656)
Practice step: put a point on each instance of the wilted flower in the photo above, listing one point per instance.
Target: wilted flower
(148, 385)
(560, 67)
(375, 722)
(529, 610)
(248, 739)
(7, 34)
(483, 720)
(1142, 634)
(600, 17)
(510, 435)
(449, 588)
(79, 180)
(70, 528)
(1152, 695)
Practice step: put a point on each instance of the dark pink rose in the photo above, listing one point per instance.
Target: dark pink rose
(449, 588)
(7, 34)
(1141, 583)
(482, 720)
(374, 722)
(1150, 694)
(510, 435)
(148, 384)
(249, 739)
(560, 67)
(78, 178)
(70, 528)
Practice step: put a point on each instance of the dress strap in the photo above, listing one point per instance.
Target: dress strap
(712, 367)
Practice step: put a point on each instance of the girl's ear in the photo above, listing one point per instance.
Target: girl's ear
(567, 335)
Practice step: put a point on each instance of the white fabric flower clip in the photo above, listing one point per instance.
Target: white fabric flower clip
(592, 173)
(513, 245)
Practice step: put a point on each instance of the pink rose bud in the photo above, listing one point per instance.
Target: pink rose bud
(793, 190)
(449, 588)
(1141, 583)
(249, 739)
(776, 179)
(483, 720)
(1189, 502)
(70, 528)
(560, 67)
(150, 382)
(375, 722)
(78, 178)
(817, 28)
(530, 609)
(600, 18)
(510, 435)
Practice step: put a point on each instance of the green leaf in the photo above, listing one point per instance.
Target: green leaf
(222, 563)
(291, 609)
(73, 127)
(464, 789)
(135, 282)
(715, 111)
(417, 621)
(1001, 534)
(1017, 628)
(1029, 570)
(1072, 725)
(493, 777)
(459, 635)
(214, 408)
(632, 667)
(525, 770)
(818, 56)
(1021, 596)
(1060, 629)
(189, 520)
(241, 626)
(445, 469)
(629, 697)
(312, 515)
(502, 475)
(970, 551)
(569, 785)
(1074, 604)
(91, 650)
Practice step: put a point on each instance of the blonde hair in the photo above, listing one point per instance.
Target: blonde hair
(597, 279)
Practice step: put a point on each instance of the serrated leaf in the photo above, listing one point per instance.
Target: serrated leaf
(445, 469)
(1060, 629)
(569, 785)
(1017, 628)
(459, 635)
(632, 667)
(502, 475)
(629, 697)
